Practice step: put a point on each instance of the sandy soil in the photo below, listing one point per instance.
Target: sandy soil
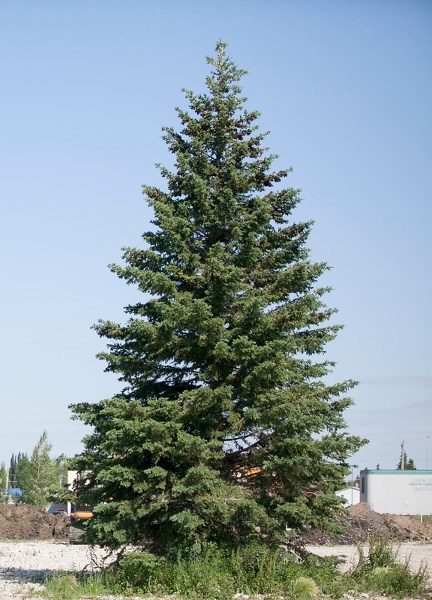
(22, 561)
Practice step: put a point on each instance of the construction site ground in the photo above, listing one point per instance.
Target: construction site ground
(360, 522)
(24, 522)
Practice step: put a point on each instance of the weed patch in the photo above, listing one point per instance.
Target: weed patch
(380, 572)
(221, 573)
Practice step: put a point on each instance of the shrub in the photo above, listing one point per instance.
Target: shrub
(305, 588)
(221, 572)
(137, 569)
(396, 580)
(380, 572)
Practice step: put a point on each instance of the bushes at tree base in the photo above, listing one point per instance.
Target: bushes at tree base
(212, 573)
(253, 570)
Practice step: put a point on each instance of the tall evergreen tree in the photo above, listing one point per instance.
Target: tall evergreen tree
(18, 464)
(12, 467)
(226, 428)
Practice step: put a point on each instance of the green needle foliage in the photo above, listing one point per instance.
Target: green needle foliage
(39, 476)
(227, 429)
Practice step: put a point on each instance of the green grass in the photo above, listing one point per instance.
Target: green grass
(220, 573)
(381, 573)
(72, 586)
(423, 518)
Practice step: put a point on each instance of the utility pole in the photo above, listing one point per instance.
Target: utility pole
(352, 483)
(403, 455)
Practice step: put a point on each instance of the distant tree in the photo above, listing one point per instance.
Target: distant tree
(4, 483)
(228, 428)
(21, 471)
(17, 464)
(12, 465)
(408, 463)
(40, 476)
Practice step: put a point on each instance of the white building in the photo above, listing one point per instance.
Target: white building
(397, 492)
(351, 495)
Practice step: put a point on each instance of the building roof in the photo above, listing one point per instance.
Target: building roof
(397, 472)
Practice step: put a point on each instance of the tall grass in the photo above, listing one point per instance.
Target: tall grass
(380, 572)
(217, 573)
(221, 573)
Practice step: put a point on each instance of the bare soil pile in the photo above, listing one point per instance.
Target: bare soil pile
(361, 522)
(24, 522)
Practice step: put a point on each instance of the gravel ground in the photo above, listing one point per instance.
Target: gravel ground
(22, 561)
(416, 552)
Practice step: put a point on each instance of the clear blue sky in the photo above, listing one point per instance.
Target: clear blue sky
(345, 90)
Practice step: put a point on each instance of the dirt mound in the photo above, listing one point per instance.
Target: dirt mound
(361, 522)
(24, 522)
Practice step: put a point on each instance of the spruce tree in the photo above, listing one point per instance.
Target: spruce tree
(17, 465)
(227, 428)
